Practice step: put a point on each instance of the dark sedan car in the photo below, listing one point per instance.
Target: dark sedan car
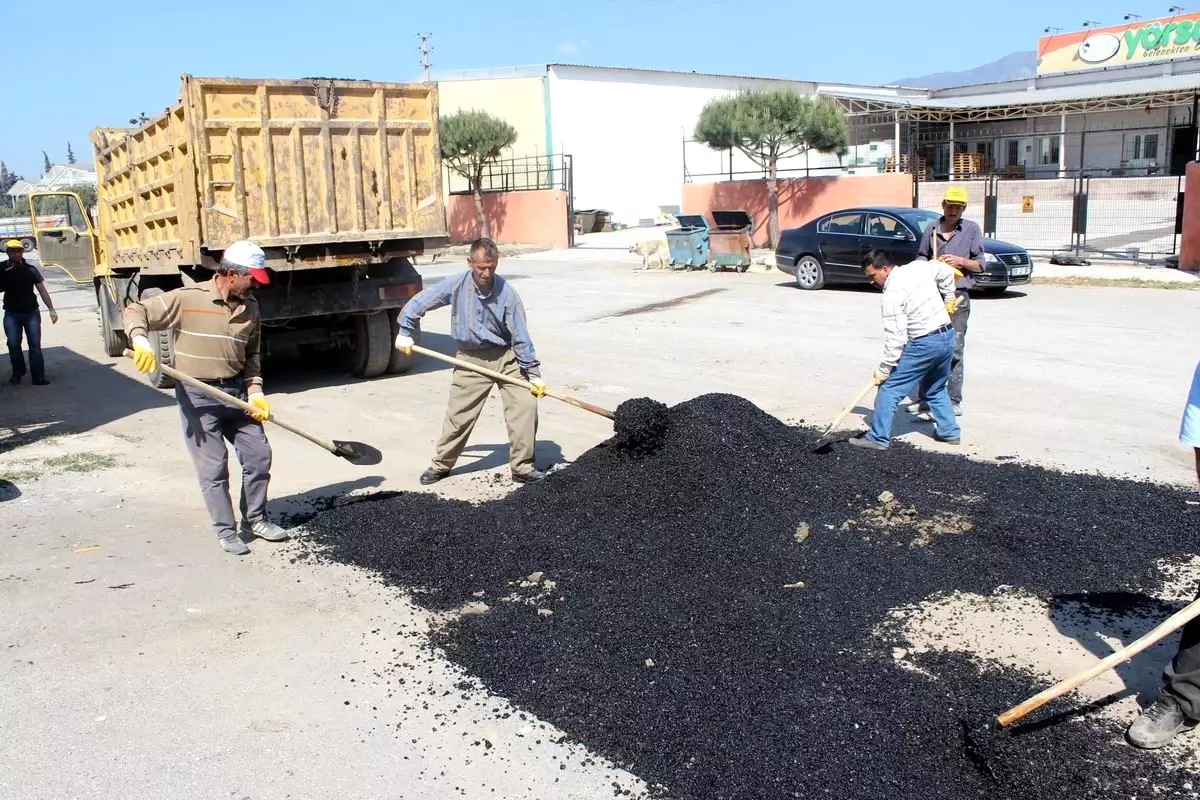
(830, 249)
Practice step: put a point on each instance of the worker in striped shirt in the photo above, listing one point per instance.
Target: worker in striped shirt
(918, 344)
(487, 320)
(218, 328)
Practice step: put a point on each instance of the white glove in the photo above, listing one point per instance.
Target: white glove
(539, 387)
(881, 374)
(404, 343)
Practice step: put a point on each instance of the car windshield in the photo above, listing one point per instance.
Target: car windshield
(919, 218)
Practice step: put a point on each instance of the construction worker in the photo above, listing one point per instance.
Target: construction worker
(218, 327)
(487, 320)
(960, 244)
(1177, 707)
(918, 343)
(22, 317)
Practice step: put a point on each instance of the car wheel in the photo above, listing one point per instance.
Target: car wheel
(809, 273)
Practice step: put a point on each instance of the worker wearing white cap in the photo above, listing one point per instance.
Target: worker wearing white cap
(218, 329)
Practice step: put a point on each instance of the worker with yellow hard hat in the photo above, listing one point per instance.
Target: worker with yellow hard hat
(22, 318)
(958, 242)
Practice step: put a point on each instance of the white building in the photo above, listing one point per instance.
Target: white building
(59, 177)
(626, 130)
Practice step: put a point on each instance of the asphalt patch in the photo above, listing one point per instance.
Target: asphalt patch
(681, 627)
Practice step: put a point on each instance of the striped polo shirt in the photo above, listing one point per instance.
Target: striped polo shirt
(214, 340)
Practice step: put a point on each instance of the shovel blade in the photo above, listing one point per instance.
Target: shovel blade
(357, 453)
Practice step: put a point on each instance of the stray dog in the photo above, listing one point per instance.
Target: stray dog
(653, 247)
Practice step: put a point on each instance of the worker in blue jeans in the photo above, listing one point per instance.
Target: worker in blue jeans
(918, 344)
(22, 317)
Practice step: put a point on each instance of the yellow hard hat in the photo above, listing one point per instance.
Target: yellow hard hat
(13, 244)
(955, 194)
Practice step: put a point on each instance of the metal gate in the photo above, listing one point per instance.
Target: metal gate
(1123, 218)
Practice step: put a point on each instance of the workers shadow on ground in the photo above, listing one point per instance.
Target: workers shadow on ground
(986, 297)
(295, 509)
(83, 394)
(484, 457)
(9, 491)
(1105, 622)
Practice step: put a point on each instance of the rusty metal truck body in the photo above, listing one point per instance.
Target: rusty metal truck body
(338, 181)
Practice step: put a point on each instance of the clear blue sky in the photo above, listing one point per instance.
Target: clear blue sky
(92, 64)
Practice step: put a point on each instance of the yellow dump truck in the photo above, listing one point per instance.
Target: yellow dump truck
(339, 181)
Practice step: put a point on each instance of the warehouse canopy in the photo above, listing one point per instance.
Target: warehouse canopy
(1034, 101)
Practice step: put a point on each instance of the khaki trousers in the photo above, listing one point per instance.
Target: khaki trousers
(469, 391)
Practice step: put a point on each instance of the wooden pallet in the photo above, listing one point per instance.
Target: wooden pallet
(922, 165)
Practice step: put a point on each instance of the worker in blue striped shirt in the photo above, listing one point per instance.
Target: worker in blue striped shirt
(487, 320)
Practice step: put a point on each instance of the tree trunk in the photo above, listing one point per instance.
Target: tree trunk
(480, 217)
(772, 203)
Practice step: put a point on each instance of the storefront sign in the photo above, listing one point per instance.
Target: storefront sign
(1132, 43)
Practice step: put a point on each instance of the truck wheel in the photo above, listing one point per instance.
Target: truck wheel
(28, 243)
(163, 343)
(373, 345)
(401, 363)
(111, 333)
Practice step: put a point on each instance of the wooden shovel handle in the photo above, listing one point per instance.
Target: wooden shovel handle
(849, 407)
(500, 376)
(225, 397)
(1172, 623)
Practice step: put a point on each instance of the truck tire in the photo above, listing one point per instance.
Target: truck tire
(115, 341)
(28, 243)
(163, 343)
(401, 363)
(373, 345)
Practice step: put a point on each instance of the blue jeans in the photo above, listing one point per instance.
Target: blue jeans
(29, 323)
(926, 360)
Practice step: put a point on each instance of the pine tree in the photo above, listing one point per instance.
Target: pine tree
(70, 154)
(45, 164)
(470, 141)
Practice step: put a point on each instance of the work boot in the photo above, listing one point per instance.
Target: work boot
(1158, 725)
(40, 382)
(947, 439)
(432, 476)
(867, 444)
(234, 545)
(265, 529)
(533, 476)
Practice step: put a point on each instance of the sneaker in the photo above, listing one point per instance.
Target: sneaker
(40, 382)
(432, 476)
(265, 529)
(925, 416)
(867, 444)
(947, 439)
(234, 545)
(1158, 725)
(916, 408)
(533, 476)
(957, 409)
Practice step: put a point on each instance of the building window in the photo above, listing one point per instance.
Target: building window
(1150, 146)
(1048, 150)
(1014, 152)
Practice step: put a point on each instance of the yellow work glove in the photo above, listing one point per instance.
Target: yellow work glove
(259, 401)
(539, 387)
(952, 306)
(881, 374)
(958, 272)
(143, 355)
(404, 343)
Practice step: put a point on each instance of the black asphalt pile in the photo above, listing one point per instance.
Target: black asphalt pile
(714, 616)
(640, 426)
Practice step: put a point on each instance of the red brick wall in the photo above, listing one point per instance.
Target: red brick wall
(532, 217)
(800, 199)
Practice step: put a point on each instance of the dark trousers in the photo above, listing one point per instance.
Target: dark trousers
(959, 321)
(207, 425)
(1181, 678)
(29, 323)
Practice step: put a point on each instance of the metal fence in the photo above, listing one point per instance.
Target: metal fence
(527, 173)
(1125, 218)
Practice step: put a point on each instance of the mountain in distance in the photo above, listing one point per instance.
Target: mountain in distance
(1010, 68)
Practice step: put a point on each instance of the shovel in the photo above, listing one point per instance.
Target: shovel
(357, 453)
(825, 439)
(500, 376)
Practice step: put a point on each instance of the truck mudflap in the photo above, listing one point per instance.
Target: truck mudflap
(285, 301)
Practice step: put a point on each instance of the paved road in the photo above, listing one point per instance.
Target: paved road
(142, 662)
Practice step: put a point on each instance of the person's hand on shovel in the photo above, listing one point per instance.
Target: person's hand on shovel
(143, 355)
(259, 400)
(404, 343)
(881, 374)
(539, 387)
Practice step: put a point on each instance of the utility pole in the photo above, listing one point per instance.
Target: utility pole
(424, 50)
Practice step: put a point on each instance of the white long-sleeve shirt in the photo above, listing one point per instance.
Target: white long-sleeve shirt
(914, 304)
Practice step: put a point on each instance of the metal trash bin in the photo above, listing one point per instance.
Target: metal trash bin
(729, 241)
(688, 244)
